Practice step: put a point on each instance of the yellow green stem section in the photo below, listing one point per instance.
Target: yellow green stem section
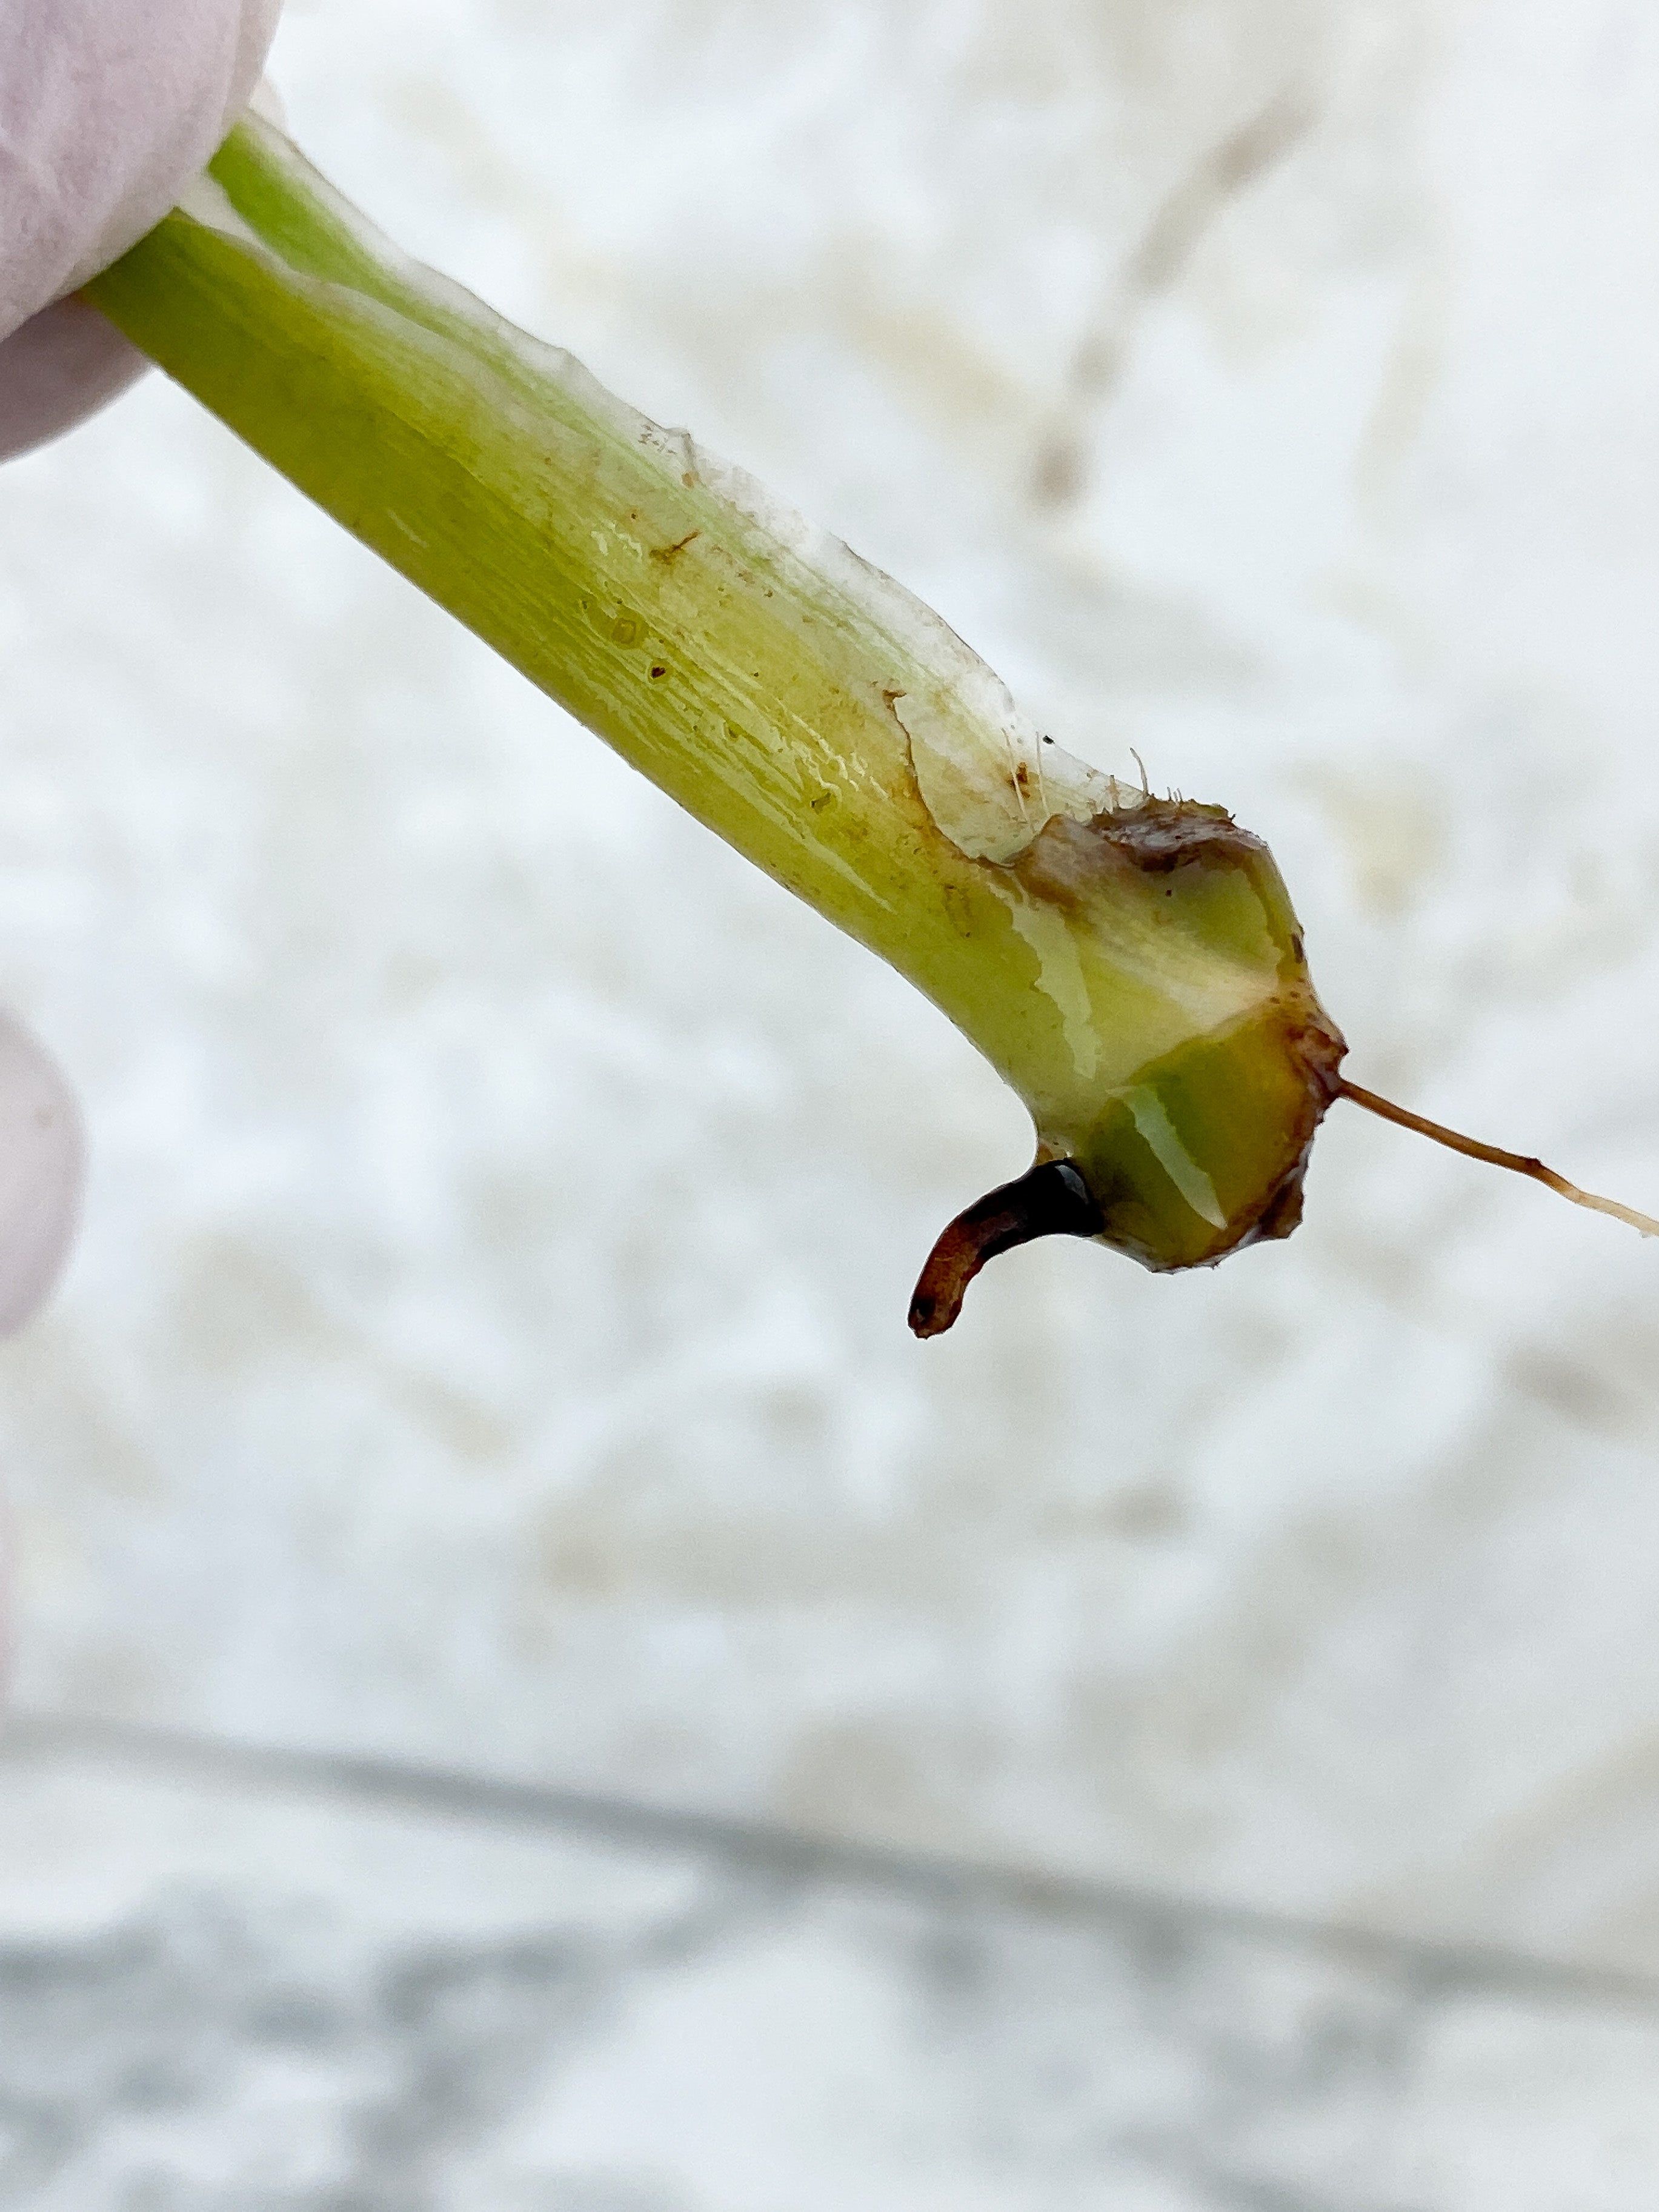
(1131, 966)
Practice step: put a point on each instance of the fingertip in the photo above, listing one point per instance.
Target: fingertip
(63, 365)
(42, 1171)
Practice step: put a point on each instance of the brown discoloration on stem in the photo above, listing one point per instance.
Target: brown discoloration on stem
(1052, 1200)
(1494, 1156)
(668, 554)
(1289, 1077)
(1159, 833)
(1314, 1048)
(1068, 858)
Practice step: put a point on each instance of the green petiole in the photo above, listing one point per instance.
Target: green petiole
(1131, 966)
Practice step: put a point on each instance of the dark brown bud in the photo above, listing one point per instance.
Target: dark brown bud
(1052, 1200)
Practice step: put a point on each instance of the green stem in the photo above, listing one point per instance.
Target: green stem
(1131, 966)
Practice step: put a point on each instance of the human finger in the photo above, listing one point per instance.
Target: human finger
(42, 1169)
(107, 108)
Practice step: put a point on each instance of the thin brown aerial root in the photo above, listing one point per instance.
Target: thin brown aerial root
(1052, 1200)
(1475, 1150)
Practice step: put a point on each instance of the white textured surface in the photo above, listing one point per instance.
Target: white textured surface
(488, 1337)
(217, 1995)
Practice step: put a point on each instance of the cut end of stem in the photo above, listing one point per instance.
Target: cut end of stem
(1473, 1149)
(1052, 1200)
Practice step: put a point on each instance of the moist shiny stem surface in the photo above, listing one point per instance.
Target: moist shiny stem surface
(1131, 966)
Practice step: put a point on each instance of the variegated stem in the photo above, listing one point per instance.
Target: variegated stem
(1131, 966)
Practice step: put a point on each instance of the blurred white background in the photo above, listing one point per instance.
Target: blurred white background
(486, 1343)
